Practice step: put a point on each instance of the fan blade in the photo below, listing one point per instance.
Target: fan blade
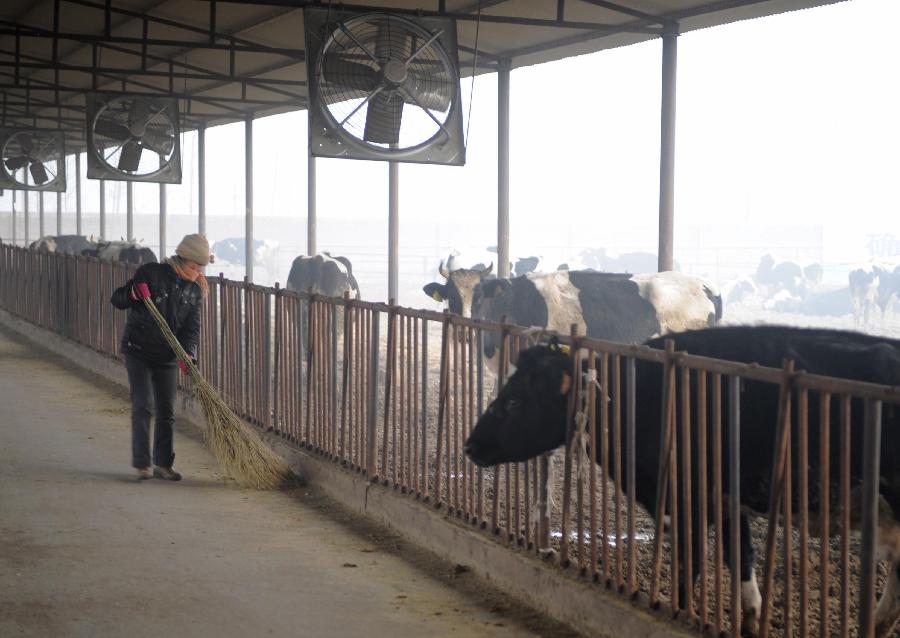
(38, 173)
(383, 118)
(15, 163)
(111, 129)
(349, 75)
(140, 113)
(130, 158)
(26, 142)
(431, 93)
(383, 41)
(159, 142)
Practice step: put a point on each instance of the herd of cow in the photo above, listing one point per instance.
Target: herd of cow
(528, 417)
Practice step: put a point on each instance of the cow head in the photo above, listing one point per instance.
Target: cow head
(458, 290)
(490, 301)
(528, 417)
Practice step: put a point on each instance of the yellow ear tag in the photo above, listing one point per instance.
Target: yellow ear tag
(564, 349)
(436, 296)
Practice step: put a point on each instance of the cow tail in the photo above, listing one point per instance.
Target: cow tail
(716, 300)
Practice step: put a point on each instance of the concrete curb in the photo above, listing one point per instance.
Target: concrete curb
(587, 607)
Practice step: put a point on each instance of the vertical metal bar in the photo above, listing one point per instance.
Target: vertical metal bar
(77, 193)
(667, 148)
(212, 22)
(162, 221)
(59, 213)
(702, 498)
(102, 209)
(845, 515)
(824, 510)
(25, 197)
(503, 169)
(630, 432)
(393, 229)
(201, 173)
(803, 509)
(14, 229)
(41, 232)
(373, 393)
(734, 497)
(870, 495)
(425, 419)
(604, 460)
(311, 205)
(248, 196)
(687, 510)
(129, 211)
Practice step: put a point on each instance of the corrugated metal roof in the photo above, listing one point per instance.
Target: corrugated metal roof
(226, 60)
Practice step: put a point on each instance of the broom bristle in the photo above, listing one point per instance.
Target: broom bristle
(238, 449)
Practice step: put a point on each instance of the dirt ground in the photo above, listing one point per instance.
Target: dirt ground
(87, 550)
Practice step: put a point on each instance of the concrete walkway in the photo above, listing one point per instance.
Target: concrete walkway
(87, 550)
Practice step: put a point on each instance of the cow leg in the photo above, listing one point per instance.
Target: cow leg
(751, 599)
(888, 610)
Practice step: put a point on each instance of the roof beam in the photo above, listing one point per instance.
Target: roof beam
(596, 27)
(35, 32)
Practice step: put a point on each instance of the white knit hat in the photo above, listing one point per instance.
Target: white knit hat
(195, 248)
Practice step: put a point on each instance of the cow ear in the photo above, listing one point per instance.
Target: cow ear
(435, 290)
(494, 288)
(566, 384)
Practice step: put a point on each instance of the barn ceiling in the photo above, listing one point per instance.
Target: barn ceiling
(228, 60)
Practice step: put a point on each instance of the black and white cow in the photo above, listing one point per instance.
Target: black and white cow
(323, 274)
(611, 306)
(459, 286)
(67, 244)
(232, 250)
(129, 252)
(528, 418)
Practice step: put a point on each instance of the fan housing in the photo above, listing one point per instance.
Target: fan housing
(383, 87)
(32, 159)
(133, 138)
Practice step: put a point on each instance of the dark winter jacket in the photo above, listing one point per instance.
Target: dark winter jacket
(178, 300)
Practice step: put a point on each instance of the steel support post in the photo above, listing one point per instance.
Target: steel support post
(58, 213)
(503, 170)
(667, 150)
(40, 214)
(201, 179)
(248, 193)
(14, 230)
(77, 193)
(162, 222)
(25, 217)
(870, 497)
(393, 229)
(102, 209)
(129, 211)
(311, 206)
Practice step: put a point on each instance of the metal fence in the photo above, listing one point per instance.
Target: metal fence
(392, 393)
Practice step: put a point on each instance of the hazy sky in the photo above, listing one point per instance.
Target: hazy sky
(790, 120)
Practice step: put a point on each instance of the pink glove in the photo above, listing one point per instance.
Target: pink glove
(140, 291)
(182, 367)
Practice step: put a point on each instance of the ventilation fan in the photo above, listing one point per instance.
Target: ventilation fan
(133, 138)
(383, 87)
(32, 159)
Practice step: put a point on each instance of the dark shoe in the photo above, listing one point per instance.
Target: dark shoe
(166, 473)
(143, 473)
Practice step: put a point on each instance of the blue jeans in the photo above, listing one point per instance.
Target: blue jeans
(156, 382)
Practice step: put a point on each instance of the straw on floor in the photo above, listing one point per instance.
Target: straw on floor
(239, 451)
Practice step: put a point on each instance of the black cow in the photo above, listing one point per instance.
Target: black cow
(67, 244)
(528, 418)
(129, 252)
(323, 275)
(613, 306)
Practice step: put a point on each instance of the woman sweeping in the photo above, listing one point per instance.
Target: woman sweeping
(177, 287)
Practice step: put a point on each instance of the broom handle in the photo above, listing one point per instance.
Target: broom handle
(173, 341)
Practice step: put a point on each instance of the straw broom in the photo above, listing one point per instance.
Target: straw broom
(239, 451)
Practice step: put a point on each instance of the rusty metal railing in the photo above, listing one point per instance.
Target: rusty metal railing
(392, 393)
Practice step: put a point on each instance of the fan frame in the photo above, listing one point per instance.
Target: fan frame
(328, 139)
(99, 168)
(57, 184)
